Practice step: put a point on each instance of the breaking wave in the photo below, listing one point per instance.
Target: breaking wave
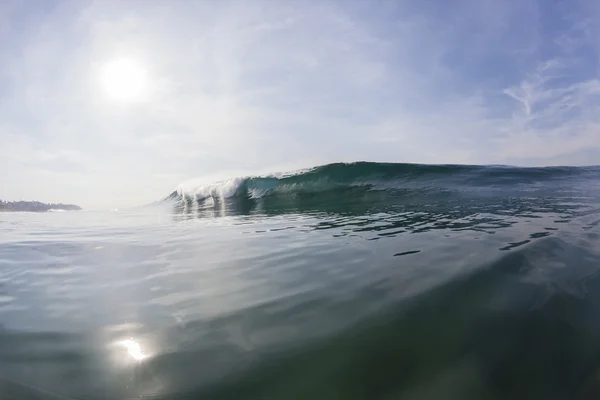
(371, 182)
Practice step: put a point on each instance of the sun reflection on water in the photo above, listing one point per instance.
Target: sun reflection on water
(134, 349)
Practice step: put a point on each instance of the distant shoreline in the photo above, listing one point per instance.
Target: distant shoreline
(35, 206)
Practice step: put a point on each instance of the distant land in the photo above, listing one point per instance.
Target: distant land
(35, 206)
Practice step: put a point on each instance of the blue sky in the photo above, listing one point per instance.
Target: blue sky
(236, 88)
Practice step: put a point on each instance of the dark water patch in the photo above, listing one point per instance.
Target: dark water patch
(405, 253)
(538, 235)
(514, 244)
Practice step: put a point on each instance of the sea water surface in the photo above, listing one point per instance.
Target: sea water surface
(345, 281)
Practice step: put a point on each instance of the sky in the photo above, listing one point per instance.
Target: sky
(217, 89)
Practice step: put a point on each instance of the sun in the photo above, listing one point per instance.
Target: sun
(124, 80)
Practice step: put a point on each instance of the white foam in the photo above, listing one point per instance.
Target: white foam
(217, 190)
(200, 189)
(257, 193)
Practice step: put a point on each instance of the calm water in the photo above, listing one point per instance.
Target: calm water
(361, 281)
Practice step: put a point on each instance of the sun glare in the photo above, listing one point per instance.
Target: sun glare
(133, 349)
(124, 80)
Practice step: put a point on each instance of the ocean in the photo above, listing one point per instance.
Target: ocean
(344, 281)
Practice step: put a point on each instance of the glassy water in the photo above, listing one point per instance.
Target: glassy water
(347, 281)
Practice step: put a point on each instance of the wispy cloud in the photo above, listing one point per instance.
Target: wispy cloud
(247, 87)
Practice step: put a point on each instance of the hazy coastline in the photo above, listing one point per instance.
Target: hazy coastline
(35, 206)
